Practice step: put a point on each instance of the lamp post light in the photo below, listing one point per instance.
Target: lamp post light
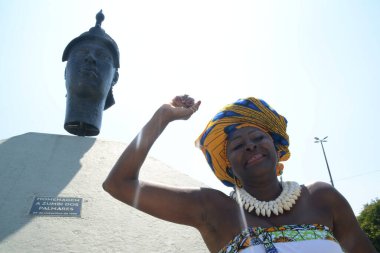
(324, 153)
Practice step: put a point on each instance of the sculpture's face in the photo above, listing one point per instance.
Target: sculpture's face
(90, 71)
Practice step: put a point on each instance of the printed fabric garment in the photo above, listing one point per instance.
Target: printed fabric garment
(284, 239)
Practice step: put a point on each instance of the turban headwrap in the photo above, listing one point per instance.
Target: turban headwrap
(249, 112)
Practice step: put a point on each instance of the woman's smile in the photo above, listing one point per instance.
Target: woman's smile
(255, 159)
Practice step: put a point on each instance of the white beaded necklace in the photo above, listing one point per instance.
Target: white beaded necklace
(290, 193)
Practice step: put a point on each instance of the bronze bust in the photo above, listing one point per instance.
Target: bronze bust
(91, 71)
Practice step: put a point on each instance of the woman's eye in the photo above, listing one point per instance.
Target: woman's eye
(236, 147)
(259, 138)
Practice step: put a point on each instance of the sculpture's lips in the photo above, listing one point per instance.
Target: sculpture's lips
(254, 159)
(90, 71)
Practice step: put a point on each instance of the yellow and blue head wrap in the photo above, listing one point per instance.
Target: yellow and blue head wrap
(243, 113)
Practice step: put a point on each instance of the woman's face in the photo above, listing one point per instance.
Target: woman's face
(251, 153)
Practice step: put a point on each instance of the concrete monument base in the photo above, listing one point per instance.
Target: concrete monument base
(45, 165)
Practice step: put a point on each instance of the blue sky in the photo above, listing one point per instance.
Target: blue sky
(316, 62)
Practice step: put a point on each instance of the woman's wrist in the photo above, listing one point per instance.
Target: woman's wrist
(162, 117)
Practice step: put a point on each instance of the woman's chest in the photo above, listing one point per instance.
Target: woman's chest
(303, 212)
(229, 222)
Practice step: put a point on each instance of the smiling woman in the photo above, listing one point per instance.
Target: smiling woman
(251, 138)
(243, 144)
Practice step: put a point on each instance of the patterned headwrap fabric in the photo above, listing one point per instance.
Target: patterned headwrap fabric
(243, 113)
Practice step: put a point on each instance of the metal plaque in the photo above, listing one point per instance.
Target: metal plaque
(56, 206)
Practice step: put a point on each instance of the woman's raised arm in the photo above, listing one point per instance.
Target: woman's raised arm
(178, 205)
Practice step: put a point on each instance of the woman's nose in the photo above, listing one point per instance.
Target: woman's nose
(250, 146)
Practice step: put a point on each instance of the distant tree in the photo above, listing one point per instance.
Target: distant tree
(369, 220)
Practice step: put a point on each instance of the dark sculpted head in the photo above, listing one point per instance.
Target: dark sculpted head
(91, 71)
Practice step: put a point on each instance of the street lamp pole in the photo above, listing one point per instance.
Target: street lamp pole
(324, 153)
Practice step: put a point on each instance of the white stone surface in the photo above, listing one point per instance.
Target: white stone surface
(36, 164)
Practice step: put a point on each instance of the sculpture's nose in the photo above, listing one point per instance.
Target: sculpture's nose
(90, 58)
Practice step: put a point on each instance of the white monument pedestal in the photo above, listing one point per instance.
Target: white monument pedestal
(46, 165)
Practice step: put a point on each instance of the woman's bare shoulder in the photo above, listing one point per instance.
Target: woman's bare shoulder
(322, 194)
(319, 187)
(213, 197)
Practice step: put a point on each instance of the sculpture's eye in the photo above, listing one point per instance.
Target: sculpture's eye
(81, 52)
(103, 55)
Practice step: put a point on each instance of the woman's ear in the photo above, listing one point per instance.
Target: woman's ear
(238, 182)
(279, 169)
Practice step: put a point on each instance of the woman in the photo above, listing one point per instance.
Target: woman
(243, 145)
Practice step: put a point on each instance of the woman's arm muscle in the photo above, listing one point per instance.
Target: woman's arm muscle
(177, 205)
(346, 227)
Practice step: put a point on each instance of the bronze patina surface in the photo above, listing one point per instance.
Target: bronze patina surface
(91, 72)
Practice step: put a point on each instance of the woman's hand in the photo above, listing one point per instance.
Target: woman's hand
(181, 107)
